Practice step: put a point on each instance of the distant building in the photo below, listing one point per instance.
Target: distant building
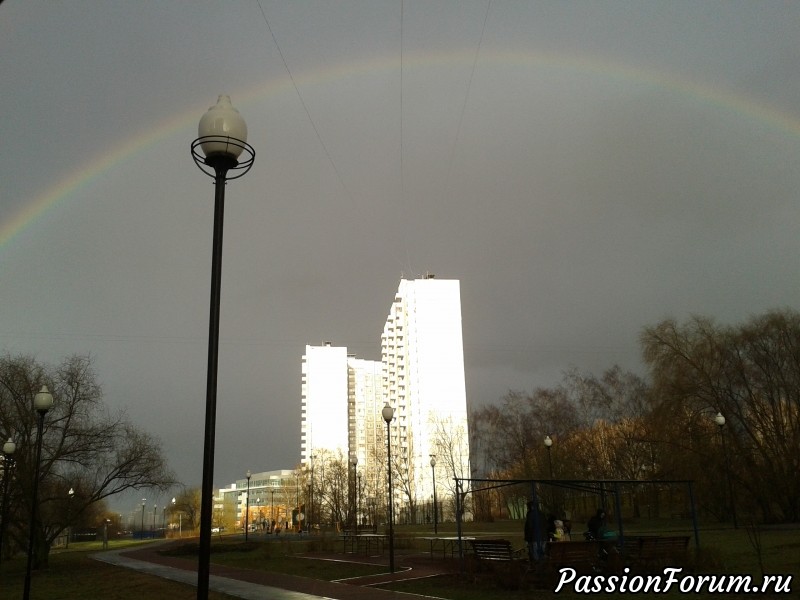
(325, 422)
(273, 495)
(421, 375)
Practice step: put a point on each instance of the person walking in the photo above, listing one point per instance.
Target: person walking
(531, 536)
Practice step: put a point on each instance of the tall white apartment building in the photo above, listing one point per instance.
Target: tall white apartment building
(324, 402)
(421, 375)
(422, 353)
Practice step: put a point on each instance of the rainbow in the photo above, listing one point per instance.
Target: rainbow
(702, 92)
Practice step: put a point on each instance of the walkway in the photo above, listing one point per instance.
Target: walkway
(256, 585)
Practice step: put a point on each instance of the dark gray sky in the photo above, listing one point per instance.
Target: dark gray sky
(585, 169)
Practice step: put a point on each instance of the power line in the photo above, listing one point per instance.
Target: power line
(303, 104)
(466, 95)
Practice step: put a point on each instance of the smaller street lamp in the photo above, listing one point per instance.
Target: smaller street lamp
(719, 419)
(272, 509)
(388, 414)
(8, 462)
(71, 494)
(42, 403)
(144, 503)
(248, 475)
(548, 443)
(435, 505)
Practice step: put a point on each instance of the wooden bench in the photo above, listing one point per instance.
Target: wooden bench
(631, 547)
(655, 552)
(581, 556)
(506, 564)
(498, 550)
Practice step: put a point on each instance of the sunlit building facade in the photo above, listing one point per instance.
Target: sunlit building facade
(273, 495)
(324, 401)
(420, 374)
(423, 380)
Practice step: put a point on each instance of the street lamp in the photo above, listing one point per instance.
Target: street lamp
(719, 419)
(435, 506)
(8, 462)
(155, 507)
(71, 494)
(42, 402)
(144, 503)
(548, 443)
(221, 142)
(247, 506)
(354, 462)
(388, 414)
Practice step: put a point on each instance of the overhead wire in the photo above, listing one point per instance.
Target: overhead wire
(466, 95)
(402, 173)
(303, 104)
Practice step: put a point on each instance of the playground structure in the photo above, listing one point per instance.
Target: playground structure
(563, 498)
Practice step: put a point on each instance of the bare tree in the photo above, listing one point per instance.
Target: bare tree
(450, 443)
(750, 374)
(187, 502)
(84, 447)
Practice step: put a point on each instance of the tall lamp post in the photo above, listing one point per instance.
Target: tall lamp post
(221, 142)
(71, 494)
(388, 414)
(8, 463)
(548, 443)
(144, 503)
(42, 403)
(435, 505)
(248, 475)
(719, 419)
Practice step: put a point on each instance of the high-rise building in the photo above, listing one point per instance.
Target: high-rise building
(423, 380)
(421, 375)
(324, 402)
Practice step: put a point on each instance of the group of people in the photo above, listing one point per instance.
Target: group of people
(559, 530)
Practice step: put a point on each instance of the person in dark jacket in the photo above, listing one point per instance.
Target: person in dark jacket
(530, 531)
(597, 524)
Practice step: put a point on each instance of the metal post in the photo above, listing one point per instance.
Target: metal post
(435, 505)
(730, 481)
(391, 498)
(247, 509)
(26, 594)
(8, 463)
(207, 490)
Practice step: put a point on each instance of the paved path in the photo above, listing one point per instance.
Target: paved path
(252, 585)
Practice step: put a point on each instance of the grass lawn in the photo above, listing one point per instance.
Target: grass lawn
(73, 575)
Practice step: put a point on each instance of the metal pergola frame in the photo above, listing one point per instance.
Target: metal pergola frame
(602, 487)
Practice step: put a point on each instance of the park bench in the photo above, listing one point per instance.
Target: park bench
(506, 564)
(631, 547)
(655, 552)
(581, 556)
(498, 550)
